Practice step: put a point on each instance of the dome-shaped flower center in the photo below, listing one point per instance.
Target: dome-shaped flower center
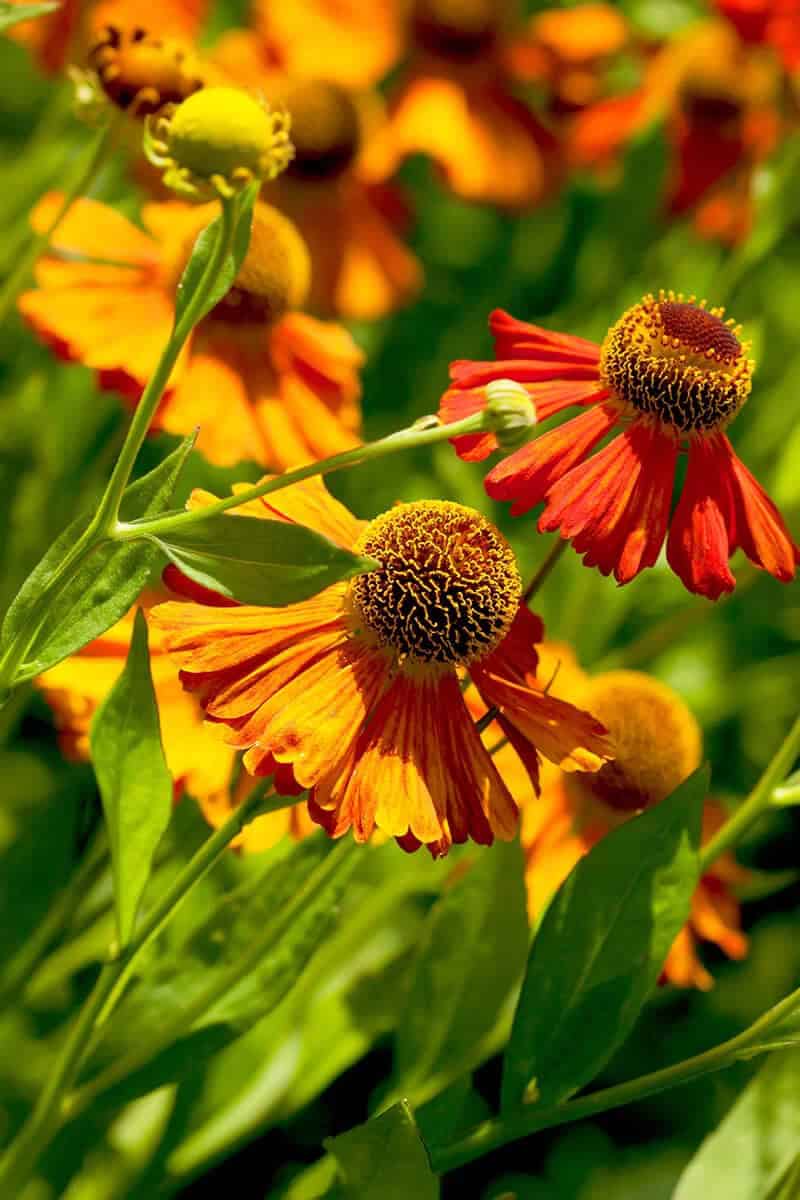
(679, 362)
(275, 276)
(142, 73)
(459, 29)
(448, 587)
(656, 740)
(325, 127)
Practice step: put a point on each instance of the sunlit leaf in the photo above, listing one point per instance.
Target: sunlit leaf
(134, 780)
(260, 562)
(471, 953)
(385, 1159)
(601, 946)
(760, 1135)
(104, 587)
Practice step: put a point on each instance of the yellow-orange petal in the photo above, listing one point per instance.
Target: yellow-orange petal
(94, 230)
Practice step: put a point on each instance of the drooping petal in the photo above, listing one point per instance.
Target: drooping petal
(527, 475)
(521, 339)
(759, 528)
(703, 528)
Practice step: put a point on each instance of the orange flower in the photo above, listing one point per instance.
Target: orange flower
(456, 105)
(358, 688)
(65, 35)
(657, 744)
(672, 374)
(198, 760)
(721, 102)
(362, 269)
(350, 42)
(774, 23)
(264, 381)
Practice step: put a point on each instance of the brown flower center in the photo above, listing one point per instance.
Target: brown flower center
(448, 588)
(679, 362)
(274, 277)
(656, 741)
(457, 29)
(141, 73)
(325, 128)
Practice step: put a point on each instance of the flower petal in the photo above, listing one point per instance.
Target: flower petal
(760, 529)
(703, 528)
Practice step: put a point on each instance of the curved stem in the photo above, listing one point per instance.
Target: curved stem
(51, 1107)
(553, 555)
(405, 439)
(758, 800)
(87, 169)
(493, 1134)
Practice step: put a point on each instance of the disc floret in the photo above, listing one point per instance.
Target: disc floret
(217, 142)
(141, 73)
(679, 362)
(274, 278)
(448, 587)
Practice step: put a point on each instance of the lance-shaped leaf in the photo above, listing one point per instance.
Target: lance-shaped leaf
(203, 250)
(135, 784)
(471, 954)
(750, 1151)
(600, 948)
(12, 14)
(260, 562)
(385, 1159)
(104, 586)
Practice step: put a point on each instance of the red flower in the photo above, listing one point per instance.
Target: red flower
(671, 375)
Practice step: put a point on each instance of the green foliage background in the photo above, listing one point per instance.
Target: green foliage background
(315, 1067)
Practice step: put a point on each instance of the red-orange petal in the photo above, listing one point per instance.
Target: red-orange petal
(703, 526)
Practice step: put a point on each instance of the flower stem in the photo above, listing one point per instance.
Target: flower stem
(51, 1107)
(553, 555)
(758, 800)
(493, 1134)
(88, 167)
(404, 439)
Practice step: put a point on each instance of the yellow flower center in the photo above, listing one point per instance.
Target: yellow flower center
(275, 276)
(448, 588)
(655, 738)
(223, 132)
(679, 362)
(140, 73)
(460, 29)
(325, 127)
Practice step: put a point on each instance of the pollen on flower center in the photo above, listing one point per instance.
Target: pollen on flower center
(448, 588)
(656, 740)
(679, 362)
(461, 29)
(142, 73)
(325, 126)
(275, 276)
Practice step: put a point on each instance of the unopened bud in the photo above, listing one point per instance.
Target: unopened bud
(217, 142)
(510, 413)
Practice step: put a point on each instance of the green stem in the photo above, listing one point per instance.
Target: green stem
(404, 439)
(336, 860)
(758, 800)
(108, 510)
(51, 1108)
(493, 1134)
(86, 170)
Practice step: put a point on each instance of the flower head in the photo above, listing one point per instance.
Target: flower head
(657, 744)
(217, 141)
(264, 381)
(671, 374)
(358, 689)
(140, 73)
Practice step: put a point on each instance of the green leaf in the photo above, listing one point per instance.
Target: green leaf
(600, 948)
(741, 1159)
(471, 954)
(385, 1159)
(135, 783)
(260, 562)
(12, 14)
(203, 250)
(104, 587)
(787, 1185)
